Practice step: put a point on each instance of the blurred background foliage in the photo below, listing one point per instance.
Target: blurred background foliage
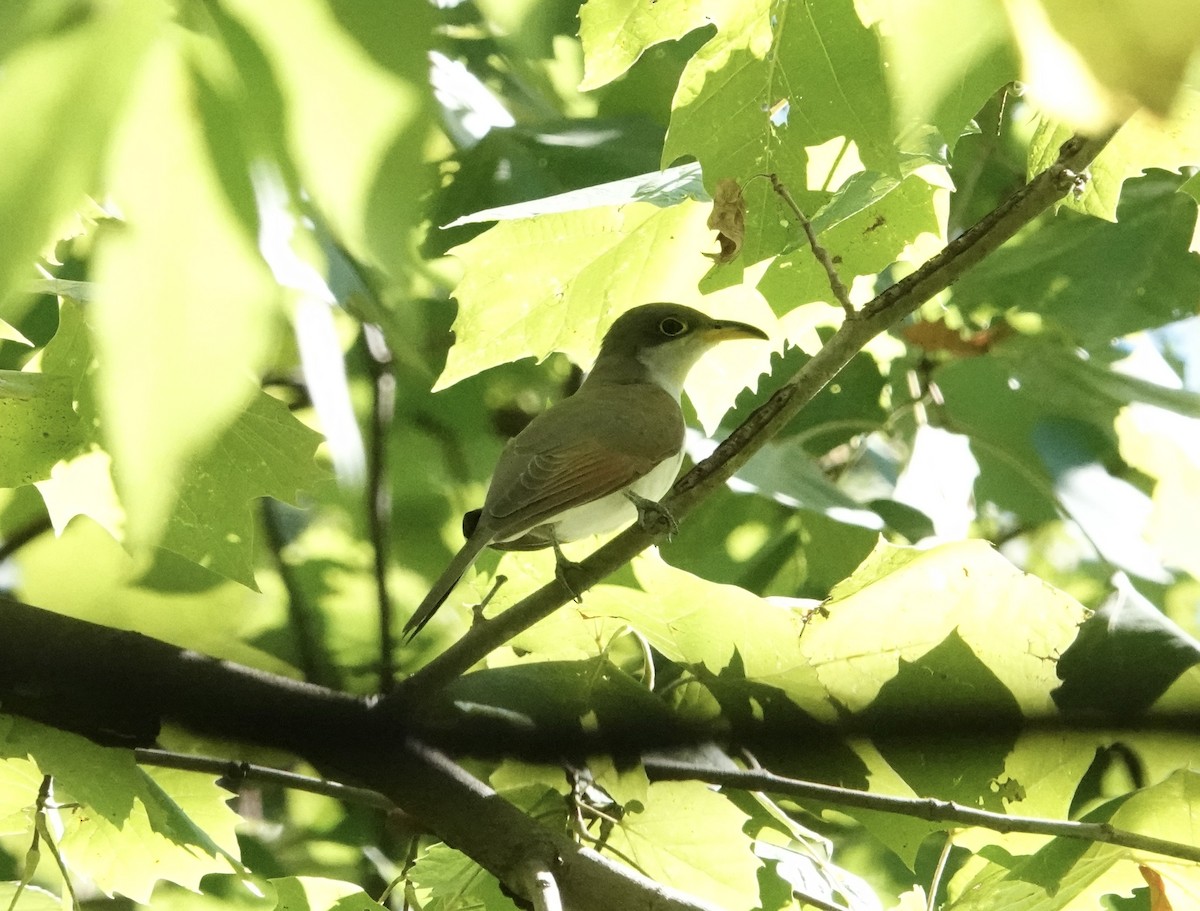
(234, 238)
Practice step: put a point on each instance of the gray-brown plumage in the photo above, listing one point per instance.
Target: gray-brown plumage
(579, 468)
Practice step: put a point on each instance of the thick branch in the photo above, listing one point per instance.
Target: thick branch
(116, 685)
(887, 309)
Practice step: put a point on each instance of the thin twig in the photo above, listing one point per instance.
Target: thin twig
(379, 492)
(234, 773)
(938, 872)
(822, 255)
(42, 827)
(314, 664)
(926, 808)
(887, 309)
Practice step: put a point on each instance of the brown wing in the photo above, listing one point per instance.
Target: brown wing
(584, 448)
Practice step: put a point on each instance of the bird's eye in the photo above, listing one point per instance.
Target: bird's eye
(672, 327)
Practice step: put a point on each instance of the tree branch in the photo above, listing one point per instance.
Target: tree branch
(234, 774)
(303, 620)
(119, 686)
(821, 254)
(379, 492)
(930, 809)
(887, 309)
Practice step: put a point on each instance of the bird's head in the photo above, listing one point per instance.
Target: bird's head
(661, 342)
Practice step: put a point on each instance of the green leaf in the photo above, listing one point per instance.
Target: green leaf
(38, 426)
(445, 880)
(781, 78)
(315, 893)
(558, 701)
(531, 287)
(271, 454)
(916, 599)
(1139, 51)
(945, 58)
(1036, 411)
(1163, 446)
(8, 333)
(615, 33)
(20, 779)
(1191, 187)
(865, 227)
(784, 472)
(551, 283)
(184, 308)
(32, 898)
(684, 834)
(696, 622)
(1112, 512)
(1125, 658)
(951, 682)
(664, 188)
(107, 586)
(1070, 873)
(264, 452)
(68, 70)
(555, 158)
(357, 124)
(1094, 280)
(124, 828)
(1145, 141)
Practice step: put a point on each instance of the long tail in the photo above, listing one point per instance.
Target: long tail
(445, 584)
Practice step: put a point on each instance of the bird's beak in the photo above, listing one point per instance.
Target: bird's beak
(725, 329)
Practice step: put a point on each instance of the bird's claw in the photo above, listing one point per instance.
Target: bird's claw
(562, 566)
(654, 518)
(560, 573)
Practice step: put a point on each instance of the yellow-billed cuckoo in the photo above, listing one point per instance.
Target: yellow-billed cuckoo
(600, 458)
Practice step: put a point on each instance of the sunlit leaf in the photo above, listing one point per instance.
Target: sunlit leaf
(1066, 871)
(442, 876)
(1009, 621)
(315, 893)
(184, 304)
(356, 123)
(781, 78)
(69, 75)
(209, 521)
(124, 828)
(636, 27)
(945, 58)
(1145, 141)
(864, 228)
(1130, 641)
(555, 283)
(37, 425)
(670, 832)
(1096, 70)
(693, 621)
(1163, 446)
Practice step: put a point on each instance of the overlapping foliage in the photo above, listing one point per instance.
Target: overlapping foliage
(224, 254)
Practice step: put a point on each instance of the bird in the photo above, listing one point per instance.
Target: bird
(598, 459)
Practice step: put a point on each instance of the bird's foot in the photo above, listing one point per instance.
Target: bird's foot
(478, 609)
(653, 518)
(563, 567)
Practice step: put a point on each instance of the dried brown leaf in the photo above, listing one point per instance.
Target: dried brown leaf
(728, 219)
